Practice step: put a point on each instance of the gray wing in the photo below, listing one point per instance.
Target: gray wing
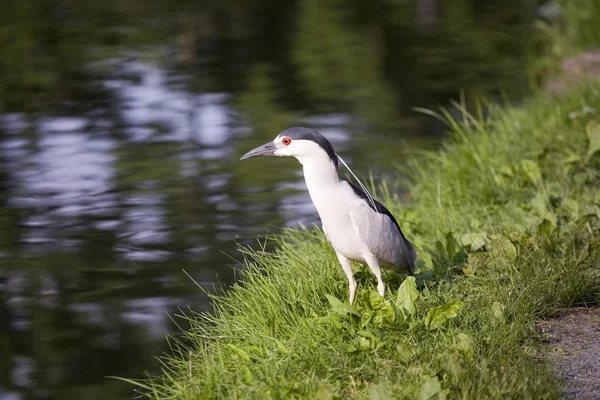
(382, 235)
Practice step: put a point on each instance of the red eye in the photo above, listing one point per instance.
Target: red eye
(286, 141)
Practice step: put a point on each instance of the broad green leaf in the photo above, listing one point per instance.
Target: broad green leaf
(405, 352)
(364, 343)
(439, 246)
(593, 133)
(506, 170)
(381, 391)
(401, 316)
(569, 207)
(368, 334)
(368, 341)
(474, 223)
(592, 210)
(437, 316)
(532, 170)
(340, 307)
(350, 348)
(429, 388)
(338, 322)
(407, 295)
(572, 158)
(425, 260)
(502, 248)
(476, 240)
(452, 246)
(545, 229)
(464, 343)
(378, 310)
(539, 204)
(322, 394)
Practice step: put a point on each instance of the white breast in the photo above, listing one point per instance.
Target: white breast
(334, 203)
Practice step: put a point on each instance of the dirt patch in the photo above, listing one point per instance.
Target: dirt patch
(573, 346)
(574, 70)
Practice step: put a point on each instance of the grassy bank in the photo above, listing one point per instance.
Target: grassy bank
(506, 221)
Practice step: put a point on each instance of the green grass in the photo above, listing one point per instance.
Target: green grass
(506, 221)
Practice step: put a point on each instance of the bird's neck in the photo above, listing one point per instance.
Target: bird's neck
(321, 179)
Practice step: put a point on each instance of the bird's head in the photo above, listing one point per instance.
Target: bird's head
(303, 143)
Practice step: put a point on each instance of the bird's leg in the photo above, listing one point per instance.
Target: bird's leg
(348, 270)
(373, 264)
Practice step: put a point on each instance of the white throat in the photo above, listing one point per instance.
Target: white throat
(318, 169)
(322, 180)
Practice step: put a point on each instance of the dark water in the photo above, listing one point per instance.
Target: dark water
(121, 126)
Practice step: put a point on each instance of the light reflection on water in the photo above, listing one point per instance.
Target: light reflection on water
(65, 172)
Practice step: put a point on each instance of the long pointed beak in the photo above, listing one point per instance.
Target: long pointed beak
(266, 149)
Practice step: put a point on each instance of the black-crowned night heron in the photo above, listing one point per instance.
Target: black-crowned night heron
(358, 227)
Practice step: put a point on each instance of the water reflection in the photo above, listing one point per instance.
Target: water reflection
(119, 153)
(61, 176)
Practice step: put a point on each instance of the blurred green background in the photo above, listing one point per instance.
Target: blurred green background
(121, 126)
